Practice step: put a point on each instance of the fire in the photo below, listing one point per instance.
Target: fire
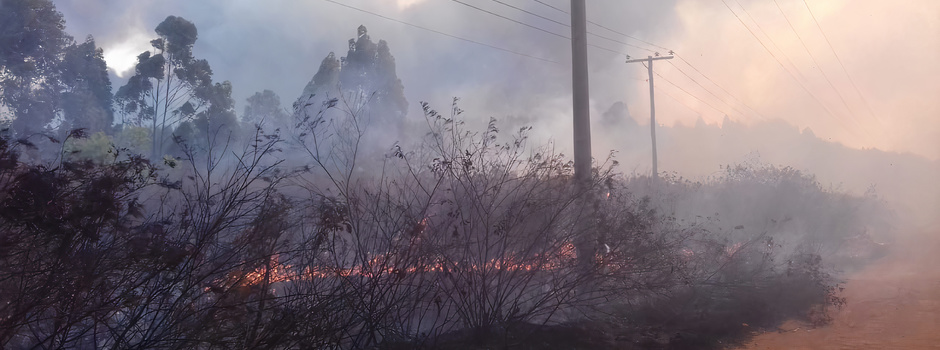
(274, 272)
(387, 265)
(730, 251)
(384, 265)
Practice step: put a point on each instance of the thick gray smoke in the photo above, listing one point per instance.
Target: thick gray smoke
(279, 46)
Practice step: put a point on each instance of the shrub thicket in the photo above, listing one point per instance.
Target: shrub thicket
(466, 240)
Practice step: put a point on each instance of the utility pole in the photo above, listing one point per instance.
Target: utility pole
(585, 243)
(649, 61)
(582, 108)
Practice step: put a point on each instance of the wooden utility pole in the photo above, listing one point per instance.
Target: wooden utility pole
(585, 241)
(649, 61)
(582, 108)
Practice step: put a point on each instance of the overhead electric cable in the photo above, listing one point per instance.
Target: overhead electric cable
(784, 67)
(542, 29)
(771, 39)
(510, 19)
(660, 89)
(608, 50)
(686, 91)
(620, 42)
(663, 48)
(607, 28)
(706, 89)
(532, 13)
(442, 33)
(852, 81)
(680, 58)
(719, 86)
(818, 67)
(553, 7)
(856, 123)
(628, 36)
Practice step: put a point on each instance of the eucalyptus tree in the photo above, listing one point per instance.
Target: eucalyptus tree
(86, 88)
(169, 86)
(47, 80)
(32, 37)
(265, 108)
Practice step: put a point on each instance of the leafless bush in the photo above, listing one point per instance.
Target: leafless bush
(63, 244)
(472, 234)
(460, 237)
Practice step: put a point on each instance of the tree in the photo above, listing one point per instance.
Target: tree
(87, 98)
(169, 85)
(218, 119)
(44, 74)
(366, 78)
(265, 108)
(365, 85)
(32, 38)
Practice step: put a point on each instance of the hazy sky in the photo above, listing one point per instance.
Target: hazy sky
(890, 50)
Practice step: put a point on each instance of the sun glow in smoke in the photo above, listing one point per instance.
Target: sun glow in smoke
(404, 4)
(121, 57)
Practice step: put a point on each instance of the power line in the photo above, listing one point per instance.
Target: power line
(511, 20)
(532, 13)
(706, 89)
(540, 29)
(818, 67)
(795, 67)
(651, 44)
(607, 28)
(620, 42)
(680, 58)
(628, 36)
(678, 100)
(686, 91)
(852, 81)
(442, 33)
(563, 24)
(608, 50)
(784, 67)
(699, 71)
(553, 7)
(680, 70)
(661, 47)
(771, 39)
(719, 86)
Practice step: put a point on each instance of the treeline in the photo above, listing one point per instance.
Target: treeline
(50, 84)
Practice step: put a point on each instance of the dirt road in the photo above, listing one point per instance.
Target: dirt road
(893, 303)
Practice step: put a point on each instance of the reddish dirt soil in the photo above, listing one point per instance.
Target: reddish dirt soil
(894, 303)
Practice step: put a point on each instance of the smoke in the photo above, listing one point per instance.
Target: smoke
(889, 51)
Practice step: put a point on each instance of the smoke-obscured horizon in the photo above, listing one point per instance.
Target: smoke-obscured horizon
(238, 174)
(279, 46)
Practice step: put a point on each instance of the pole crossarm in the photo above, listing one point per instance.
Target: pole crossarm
(651, 58)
